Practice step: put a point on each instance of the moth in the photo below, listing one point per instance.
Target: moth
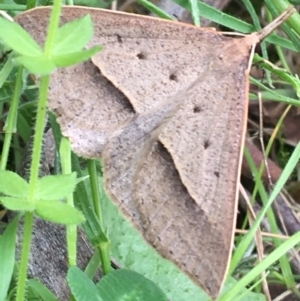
(164, 106)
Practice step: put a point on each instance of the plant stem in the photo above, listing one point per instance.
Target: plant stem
(10, 126)
(38, 136)
(104, 248)
(28, 224)
(294, 21)
(42, 103)
(34, 172)
(104, 245)
(95, 190)
(37, 149)
(65, 154)
(53, 27)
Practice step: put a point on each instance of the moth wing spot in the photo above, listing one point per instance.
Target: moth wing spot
(141, 56)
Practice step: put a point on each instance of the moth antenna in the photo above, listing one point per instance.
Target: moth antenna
(263, 33)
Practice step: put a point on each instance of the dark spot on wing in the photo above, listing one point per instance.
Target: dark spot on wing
(197, 109)
(119, 38)
(141, 56)
(173, 77)
(206, 144)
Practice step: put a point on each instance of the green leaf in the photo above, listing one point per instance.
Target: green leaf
(14, 204)
(82, 179)
(219, 17)
(14, 36)
(73, 36)
(76, 57)
(7, 255)
(281, 73)
(12, 184)
(195, 12)
(82, 287)
(40, 290)
(262, 266)
(155, 10)
(125, 285)
(92, 226)
(59, 212)
(38, 65)
(56, 187)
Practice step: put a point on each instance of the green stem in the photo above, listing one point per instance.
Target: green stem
(66, 167)
(14, 7)
(16, 150)
(95, 190)
(34, 172)
(42, 104)
(257, 26)
(37, 149)
(282, 59)
(290, 26)
(104, 245)
(53, 27)
(105, 257)
(281, 5)
(38, 136)
(10, 126)
(21, 287)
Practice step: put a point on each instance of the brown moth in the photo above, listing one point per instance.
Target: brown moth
(164, 105)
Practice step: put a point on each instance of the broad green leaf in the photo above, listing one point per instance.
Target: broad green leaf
(40, 290)
(14, 36)
(59, 212)
(73, 36)
(38, 65)
(125, 285)
(12, 203)
(75, 58)
(56, 187)
(82, 287)
(7, 255)
(12, 184)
